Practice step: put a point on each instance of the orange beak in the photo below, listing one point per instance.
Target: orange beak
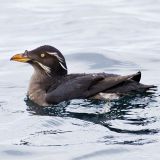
(20, 58)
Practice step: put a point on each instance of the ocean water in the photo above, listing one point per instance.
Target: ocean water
(114, 36)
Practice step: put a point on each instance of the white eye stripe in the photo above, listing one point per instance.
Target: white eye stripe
(45, 68)
(62, 66)
(56, 55)
(48, 69)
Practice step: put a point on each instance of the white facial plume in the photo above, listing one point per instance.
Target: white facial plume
(61, 61)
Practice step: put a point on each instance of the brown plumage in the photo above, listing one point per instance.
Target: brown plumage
(50, 83)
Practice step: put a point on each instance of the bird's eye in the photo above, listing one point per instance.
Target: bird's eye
(42, 55)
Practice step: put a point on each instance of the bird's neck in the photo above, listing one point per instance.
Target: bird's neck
(38, 86)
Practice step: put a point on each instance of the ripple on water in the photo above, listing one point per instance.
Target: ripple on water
(119, 36)
(124, 119)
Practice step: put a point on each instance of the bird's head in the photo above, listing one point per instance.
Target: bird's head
(46, 59)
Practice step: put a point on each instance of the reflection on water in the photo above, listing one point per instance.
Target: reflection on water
(107, 114)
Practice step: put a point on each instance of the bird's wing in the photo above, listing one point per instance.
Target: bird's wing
(72, 88)
(110, 82)
(84, 86)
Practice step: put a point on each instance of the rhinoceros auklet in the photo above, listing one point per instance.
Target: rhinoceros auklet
(50, 83)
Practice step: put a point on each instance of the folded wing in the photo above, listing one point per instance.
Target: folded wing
(90, 84)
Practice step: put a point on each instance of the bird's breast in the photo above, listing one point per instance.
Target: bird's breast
(38, 96)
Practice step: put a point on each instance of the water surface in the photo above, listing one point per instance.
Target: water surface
(114, 36)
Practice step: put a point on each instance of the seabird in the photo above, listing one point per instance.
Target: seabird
(51, 83)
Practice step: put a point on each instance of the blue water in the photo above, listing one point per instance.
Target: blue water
(114, 36)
